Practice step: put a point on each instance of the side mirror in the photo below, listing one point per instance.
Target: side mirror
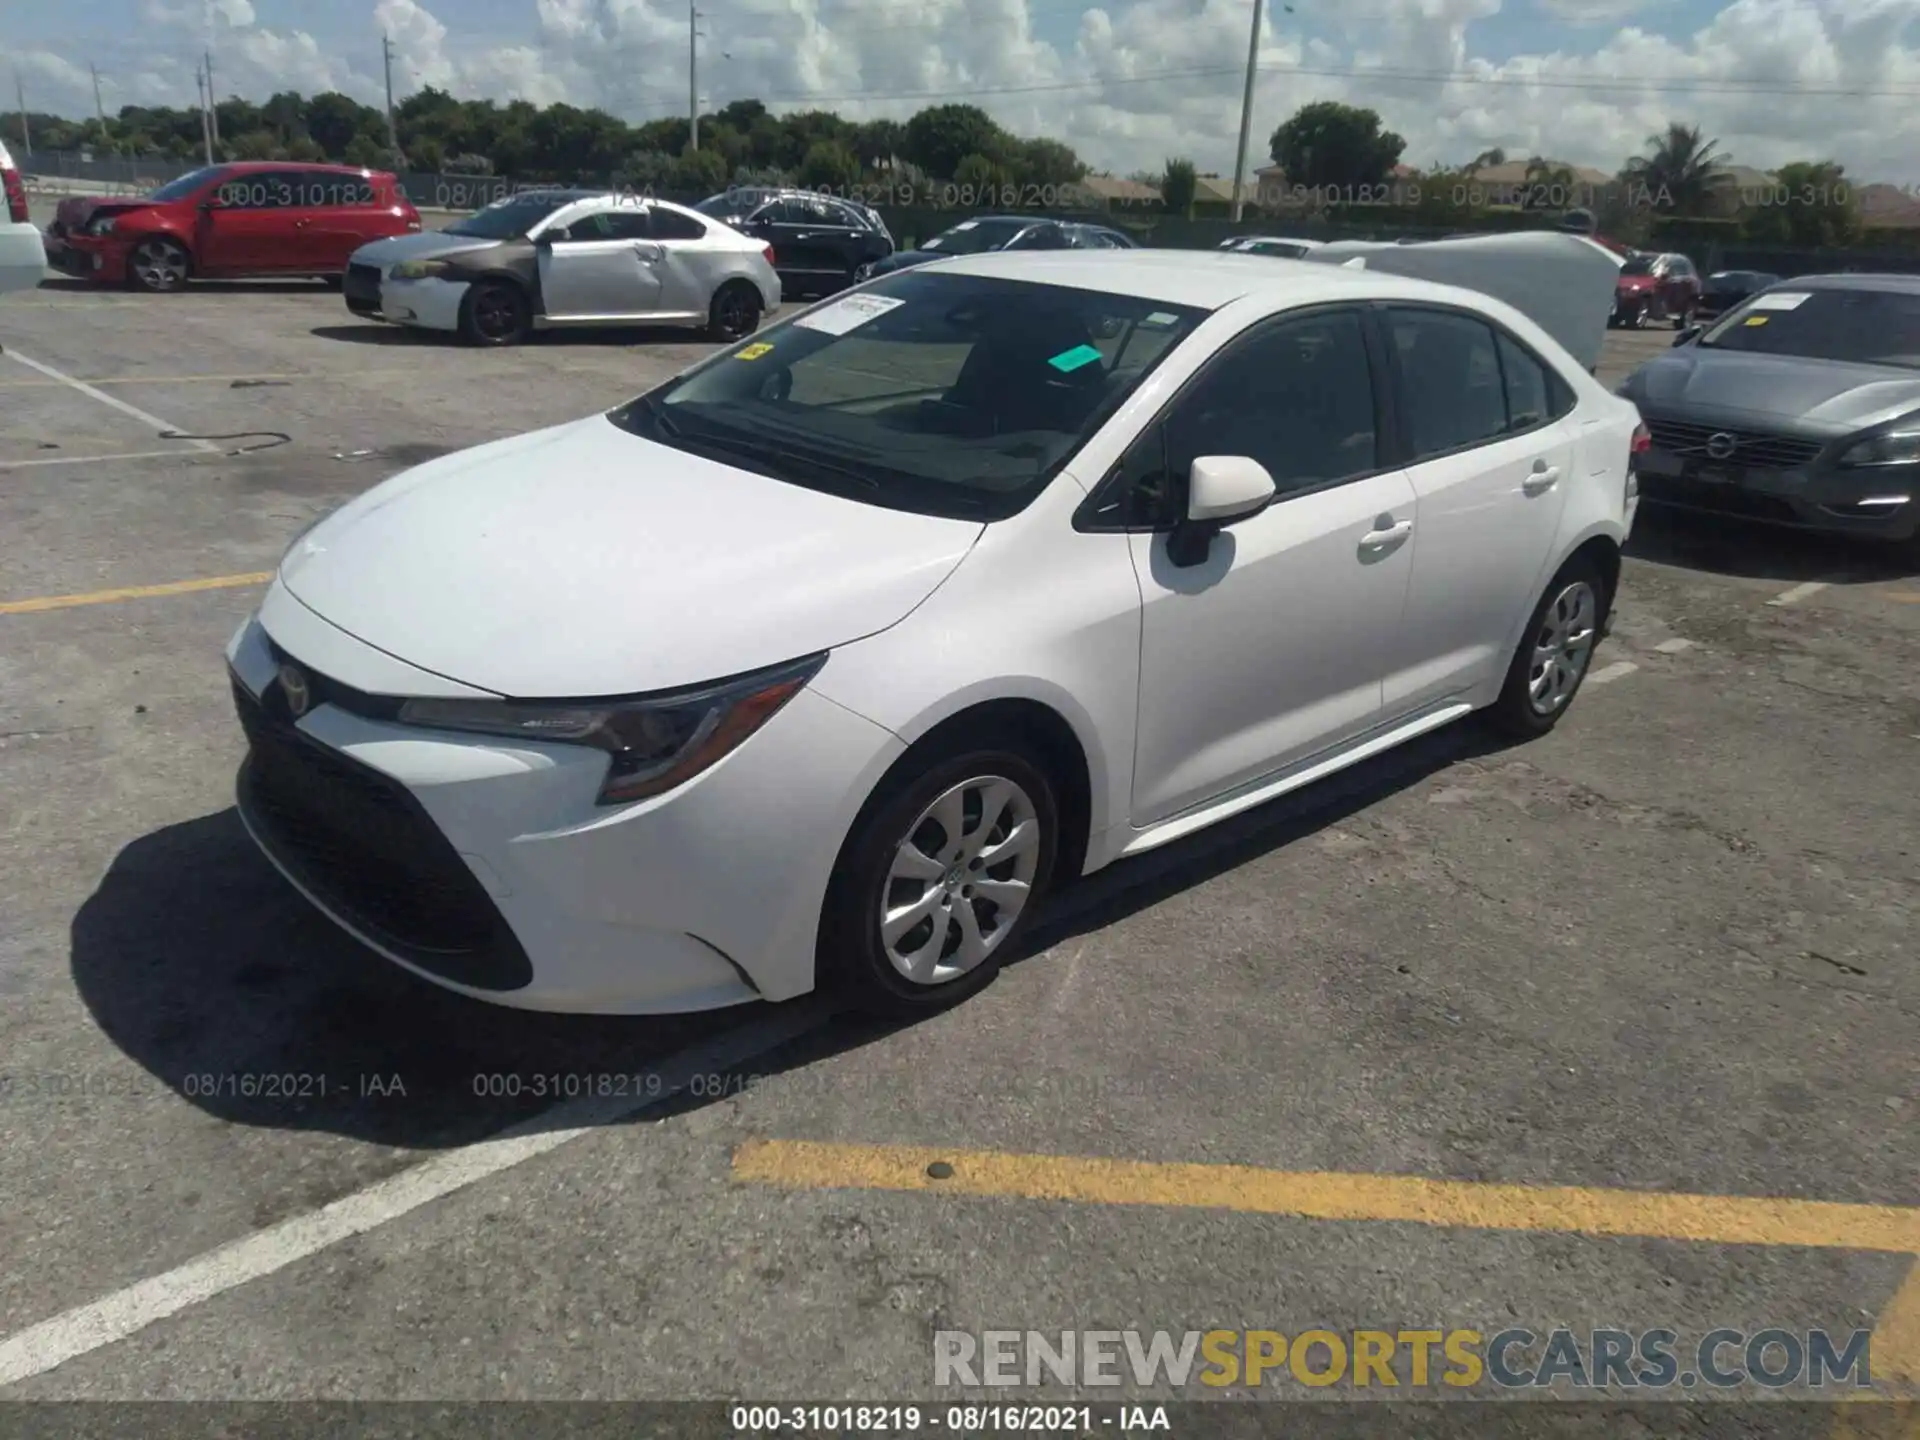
(1688, 335)
(1221, 491)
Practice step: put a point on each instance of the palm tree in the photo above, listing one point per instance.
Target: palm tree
(1682, 170)
(1486, 159)
(1550, 185)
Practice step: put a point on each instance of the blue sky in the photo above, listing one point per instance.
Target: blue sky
(1772, 79)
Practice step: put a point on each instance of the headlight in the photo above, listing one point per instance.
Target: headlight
(656, 743)
(1889, 447)
(418, 270)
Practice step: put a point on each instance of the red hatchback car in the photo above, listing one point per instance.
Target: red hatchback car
(252, 218)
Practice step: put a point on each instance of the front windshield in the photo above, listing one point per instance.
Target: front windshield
(1862, 327)
(956, 395)
(975, 237)
(511, 218)
(1639, 265)
(187, 184)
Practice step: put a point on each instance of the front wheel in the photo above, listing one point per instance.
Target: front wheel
(735, 311)
(495, 312)
(938, 879)
(1555, 653)
(159, 266)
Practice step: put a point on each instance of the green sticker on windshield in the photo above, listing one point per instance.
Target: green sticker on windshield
(1073, 359)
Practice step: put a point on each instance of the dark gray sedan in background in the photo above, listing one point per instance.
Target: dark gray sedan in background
(1799, 407)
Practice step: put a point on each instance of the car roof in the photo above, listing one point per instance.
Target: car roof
(251, 167)
(1201, 279)
(1889, 284)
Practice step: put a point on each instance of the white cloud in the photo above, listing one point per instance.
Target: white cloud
(1770, 79)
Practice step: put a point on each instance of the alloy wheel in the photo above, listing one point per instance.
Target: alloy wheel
(1563, 648)
(736, 313)
(959, 880)
(495, 315)
(160, 265)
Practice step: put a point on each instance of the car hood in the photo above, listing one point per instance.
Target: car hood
(901, 259)
(75, 213)
(582, 560)
(422, 245)
(1824, 393)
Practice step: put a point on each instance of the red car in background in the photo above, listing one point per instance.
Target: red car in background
(247, 219)
(1655, 286)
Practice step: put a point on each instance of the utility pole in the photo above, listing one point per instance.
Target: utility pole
(393, 129)
(693, 75)
(206, 113)
(213, 111)
(99, 108)
(26, 130)
(1246, 111)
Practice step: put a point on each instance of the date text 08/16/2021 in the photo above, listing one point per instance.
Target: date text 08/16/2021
(891, 1420)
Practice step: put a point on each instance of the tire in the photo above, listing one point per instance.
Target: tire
(1520, 712)
(1682, 319)
(855, 957)
(494, 313)
(159, 266)
(734, 312)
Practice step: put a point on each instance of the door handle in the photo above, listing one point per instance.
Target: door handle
(1543, 478)
(1384, 535)
(646, 251)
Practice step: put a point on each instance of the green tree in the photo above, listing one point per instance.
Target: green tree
(334, 120)
(983, 181)
(939, 138)
(1810, 205)
(1328, 145)
(1548, 186)
(700, 172)
(1179, 182)
(1681, 173)
(829, 165)
(256, 145)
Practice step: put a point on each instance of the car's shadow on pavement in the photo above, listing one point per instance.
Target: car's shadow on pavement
(609, 338)
(74, 283)
(204, 966)
(1130, 886)
(1744, 550)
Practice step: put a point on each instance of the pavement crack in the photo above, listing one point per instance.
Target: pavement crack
(1842, 966)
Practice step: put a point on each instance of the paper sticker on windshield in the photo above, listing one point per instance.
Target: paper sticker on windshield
(1158, 318)
(1068, 360)
(1757, 319)
(1785, 300)
(848, 314)
(754, 352)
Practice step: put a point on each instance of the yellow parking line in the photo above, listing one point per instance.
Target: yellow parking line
(1901, 597)
(1719, 1219)
(134, 592)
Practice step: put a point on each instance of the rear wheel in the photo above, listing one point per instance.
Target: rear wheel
(1555, 652)
(495, 312)
(940, 875)
(735, 311)
(159, 265)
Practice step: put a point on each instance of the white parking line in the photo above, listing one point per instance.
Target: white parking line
(174, 454)
(93, 393)
(1673, 646)
(52, 1343)
(1799, 592)
(1619, 670)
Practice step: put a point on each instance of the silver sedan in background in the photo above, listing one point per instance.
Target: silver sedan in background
(554, 259)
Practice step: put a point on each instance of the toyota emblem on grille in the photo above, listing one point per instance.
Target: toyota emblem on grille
(1722, 445)
(294, 686)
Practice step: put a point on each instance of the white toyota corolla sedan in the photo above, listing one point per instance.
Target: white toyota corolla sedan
(818, 664)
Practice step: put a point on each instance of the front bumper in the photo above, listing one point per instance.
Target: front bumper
(89, 257)
(1881, 504)
(486, 866)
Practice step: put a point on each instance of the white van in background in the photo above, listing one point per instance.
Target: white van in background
(23, 253)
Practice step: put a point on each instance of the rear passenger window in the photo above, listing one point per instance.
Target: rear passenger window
(1451, 387)
(1529, 391)
(672, 225)
(627, 225)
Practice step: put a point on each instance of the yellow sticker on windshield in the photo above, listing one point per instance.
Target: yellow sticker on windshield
(1757, 319)
(754, 352)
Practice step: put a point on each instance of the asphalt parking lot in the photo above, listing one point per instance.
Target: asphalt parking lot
(1668, 950)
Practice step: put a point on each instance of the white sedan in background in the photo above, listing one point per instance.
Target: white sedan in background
(553, 259)
(23, 251)
(820, 663)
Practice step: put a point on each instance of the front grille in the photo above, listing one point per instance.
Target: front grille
(1720, 499)
(1752, 449)
(361, 843)
(362, 286)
